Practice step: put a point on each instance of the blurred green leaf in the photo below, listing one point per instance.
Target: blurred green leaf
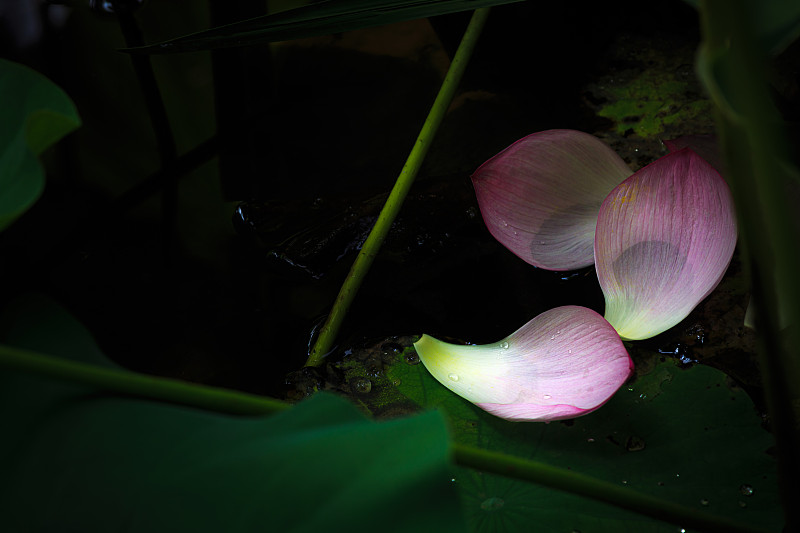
(34, 114)
(759, 160)
(680, 435)
(321, 18)
(76, 460)
(777, 22)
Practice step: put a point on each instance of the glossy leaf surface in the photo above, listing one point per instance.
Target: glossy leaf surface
(672, 433)
(540, 196)
(564, 363)
(664, 239)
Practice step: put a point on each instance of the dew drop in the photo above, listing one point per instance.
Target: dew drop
(704, 502)
(742, 504)
(547, 396)
(453, 377)
(590, 439)
(362, 385)
(412, 358)
(505, 224)
(492, 504)
(504, 345)
(746, 490)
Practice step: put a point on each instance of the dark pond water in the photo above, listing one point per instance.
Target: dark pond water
(231, 293)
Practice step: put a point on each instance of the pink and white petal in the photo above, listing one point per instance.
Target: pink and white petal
(664, 239)
(540, 196)
(705, 146)
(564, 363)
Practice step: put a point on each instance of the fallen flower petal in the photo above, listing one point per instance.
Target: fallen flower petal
(665, 237)
(540, 196)
(564, 363)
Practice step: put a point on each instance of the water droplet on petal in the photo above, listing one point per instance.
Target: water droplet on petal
(547, 396)
(504, 345)
(746, 490)
(453, 377)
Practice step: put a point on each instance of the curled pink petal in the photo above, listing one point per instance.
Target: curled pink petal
(540, 196)
(564, 363)
(665, 237)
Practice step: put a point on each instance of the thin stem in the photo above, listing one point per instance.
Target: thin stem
(143, 386)
(165, 140)
(574, 483)
(390, 210)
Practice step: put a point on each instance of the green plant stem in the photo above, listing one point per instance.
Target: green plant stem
(165, 140)
(731, 65)
(140, 385)
(561, 479)
(231, 402)
(390, 210)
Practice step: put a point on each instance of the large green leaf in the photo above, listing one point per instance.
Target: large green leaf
(76, 460)
(681, 435)
(34, 114)
(776, 22)
(321, 18)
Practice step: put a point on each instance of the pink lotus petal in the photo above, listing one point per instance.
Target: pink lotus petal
(705, 146)
(564, 363)
(540, 196)
(664, 239)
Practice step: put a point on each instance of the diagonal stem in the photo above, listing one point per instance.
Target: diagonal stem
(596, 489)
(165, 140)
(140, 385)
(370, 248)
